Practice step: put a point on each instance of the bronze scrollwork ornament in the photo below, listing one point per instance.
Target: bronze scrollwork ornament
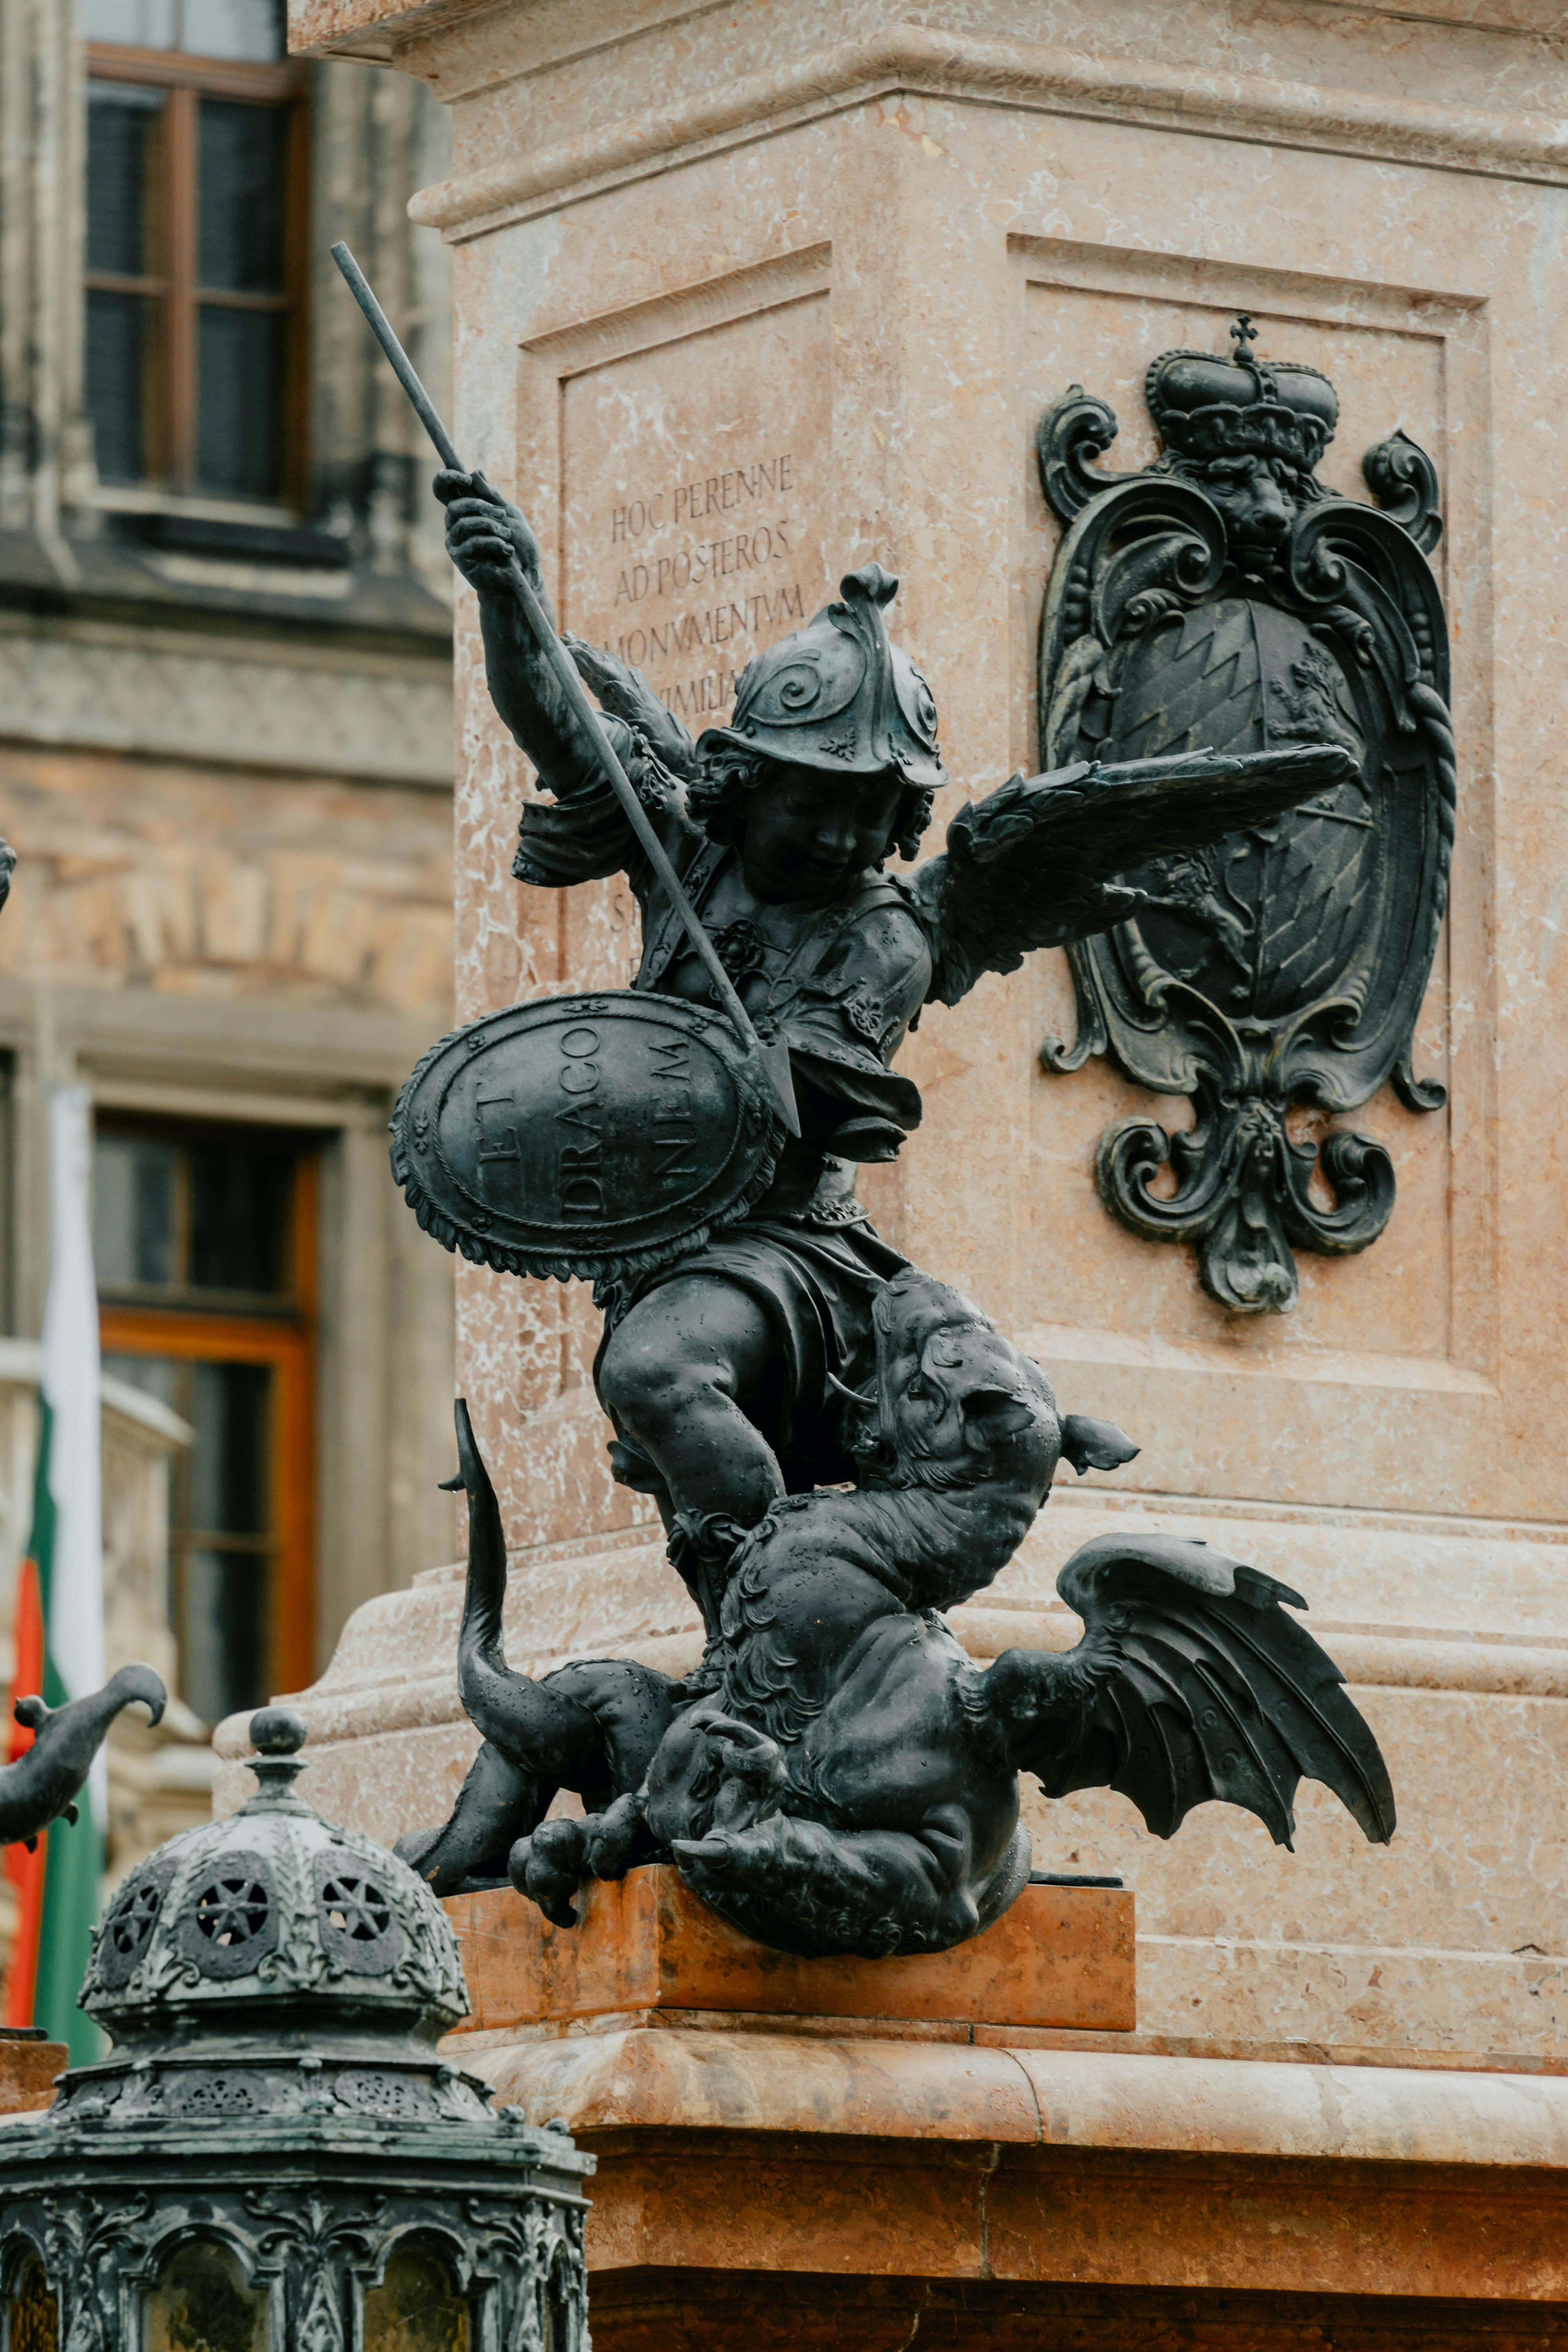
(1225, 597)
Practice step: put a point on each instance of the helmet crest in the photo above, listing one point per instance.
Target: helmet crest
(839, 695)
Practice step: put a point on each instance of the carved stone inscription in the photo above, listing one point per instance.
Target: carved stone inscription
(694, 478)
(711, 579)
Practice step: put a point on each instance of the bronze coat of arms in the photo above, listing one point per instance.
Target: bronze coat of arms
(1225, 597)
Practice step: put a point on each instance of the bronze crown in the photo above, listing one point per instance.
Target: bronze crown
(1206, 406)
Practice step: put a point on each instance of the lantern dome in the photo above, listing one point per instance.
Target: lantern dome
(275, 2136)
(272, 1908)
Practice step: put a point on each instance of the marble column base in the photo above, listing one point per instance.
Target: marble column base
(772, 2174)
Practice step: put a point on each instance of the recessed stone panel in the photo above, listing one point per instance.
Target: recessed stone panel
(1099, 318)
(694, 493)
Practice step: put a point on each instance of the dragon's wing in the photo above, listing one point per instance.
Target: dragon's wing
(1036, 862)
(1205, 1688)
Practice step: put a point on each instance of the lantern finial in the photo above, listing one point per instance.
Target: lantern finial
(277, 1734)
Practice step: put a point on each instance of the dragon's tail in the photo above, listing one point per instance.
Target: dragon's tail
(480, 1656)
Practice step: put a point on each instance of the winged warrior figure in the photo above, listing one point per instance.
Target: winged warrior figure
(726, 1372)
(839, 1445)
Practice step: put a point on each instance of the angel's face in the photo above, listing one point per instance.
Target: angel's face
(808, 834)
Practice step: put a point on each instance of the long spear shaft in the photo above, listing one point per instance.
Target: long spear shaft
(774, 1061)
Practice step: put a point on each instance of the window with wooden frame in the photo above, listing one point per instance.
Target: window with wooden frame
(195, 233)
(203, 1242)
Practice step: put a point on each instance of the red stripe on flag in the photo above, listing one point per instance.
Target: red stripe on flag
(25, 1870)
(26, 1652)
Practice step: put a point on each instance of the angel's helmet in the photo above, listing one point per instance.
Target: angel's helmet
(837, 696)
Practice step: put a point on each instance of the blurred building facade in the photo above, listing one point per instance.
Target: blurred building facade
(226, 765)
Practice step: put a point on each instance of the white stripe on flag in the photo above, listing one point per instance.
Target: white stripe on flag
(69, 1377)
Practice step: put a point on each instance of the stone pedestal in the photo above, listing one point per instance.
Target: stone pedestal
(28, 2065)
(647, 1949)
(837, 2153)
(746, 298)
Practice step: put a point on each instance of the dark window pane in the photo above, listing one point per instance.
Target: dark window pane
(223, 1646)
(228, 1463)
(240, 356)
(239, 246)
(202, 2299)
(32, 2317)
(122, 142)
(117, 344)
(240, 1213)
(133, 1210)
(136, 23)
(232, 29)
(118, 335)
(418, 2307)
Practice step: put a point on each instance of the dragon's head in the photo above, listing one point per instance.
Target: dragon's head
(956, 1404)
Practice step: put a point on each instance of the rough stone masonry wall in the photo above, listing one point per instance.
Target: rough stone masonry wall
(300, 890)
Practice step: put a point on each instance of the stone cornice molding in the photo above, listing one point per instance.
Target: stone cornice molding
(373, 29)
(907, 59)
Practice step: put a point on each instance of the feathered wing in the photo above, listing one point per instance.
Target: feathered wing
(1036, 862)
(625, 694)
(1206, 1688)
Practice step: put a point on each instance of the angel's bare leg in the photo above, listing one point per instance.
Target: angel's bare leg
(688, 1378)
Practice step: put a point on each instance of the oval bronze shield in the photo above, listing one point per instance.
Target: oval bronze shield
(585, 1137)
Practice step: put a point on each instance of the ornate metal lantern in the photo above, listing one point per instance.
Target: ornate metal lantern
(274, 2158)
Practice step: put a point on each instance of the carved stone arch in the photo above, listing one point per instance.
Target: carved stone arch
(29, 2300)
(471, 2284)
(20, 2243)
(453, 2243)
(561, 2301)
(176, 2228)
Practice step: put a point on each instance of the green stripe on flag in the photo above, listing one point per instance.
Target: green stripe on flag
(41, 1546)
(73, 1869)
(72, 1875)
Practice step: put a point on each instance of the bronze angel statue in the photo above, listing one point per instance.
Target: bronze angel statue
(839, 1445)
(730, 1354)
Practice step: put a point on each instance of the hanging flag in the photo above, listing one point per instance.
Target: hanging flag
(60, 1614)
(24, 1866)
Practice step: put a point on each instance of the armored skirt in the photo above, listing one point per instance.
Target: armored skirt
(816, 1285)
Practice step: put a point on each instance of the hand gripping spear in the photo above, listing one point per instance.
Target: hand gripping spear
(773, 1060)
